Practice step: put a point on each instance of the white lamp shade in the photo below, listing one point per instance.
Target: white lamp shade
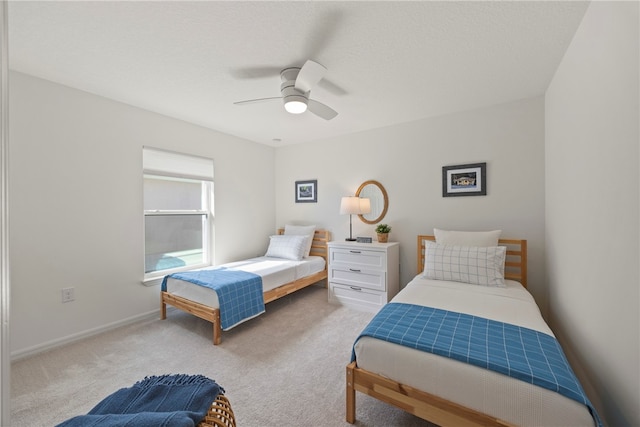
(365, 206)
(354, 206)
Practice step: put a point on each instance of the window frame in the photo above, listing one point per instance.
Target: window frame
(206, 211)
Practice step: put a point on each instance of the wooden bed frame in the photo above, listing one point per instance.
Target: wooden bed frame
(425, 405)
(318, 248)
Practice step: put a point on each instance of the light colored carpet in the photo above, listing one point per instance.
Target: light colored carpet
(283, 368)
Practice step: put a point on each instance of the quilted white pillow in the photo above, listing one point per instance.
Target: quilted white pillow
(468, 264)
(467, 238)
(287, 247)
(304, 230)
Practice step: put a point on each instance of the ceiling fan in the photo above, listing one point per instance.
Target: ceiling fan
(295, 90)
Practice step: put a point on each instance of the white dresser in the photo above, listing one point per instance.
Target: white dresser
(363, 275)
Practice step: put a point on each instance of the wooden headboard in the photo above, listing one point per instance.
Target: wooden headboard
(319, 247)
(515, 267)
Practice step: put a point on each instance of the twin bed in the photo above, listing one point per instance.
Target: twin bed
(282, 271)
(433, 382)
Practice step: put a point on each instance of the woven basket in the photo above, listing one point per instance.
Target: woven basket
(383, 237)
(220, 414)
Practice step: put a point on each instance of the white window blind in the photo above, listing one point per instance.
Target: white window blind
(178, 203)
(176, 165)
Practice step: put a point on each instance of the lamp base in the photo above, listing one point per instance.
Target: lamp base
(348, 239)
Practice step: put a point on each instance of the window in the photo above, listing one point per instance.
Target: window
(178, 196)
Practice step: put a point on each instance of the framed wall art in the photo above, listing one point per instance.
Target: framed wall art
(307, 191)
(464, 180)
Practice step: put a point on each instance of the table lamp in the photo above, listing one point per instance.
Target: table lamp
(354, 205)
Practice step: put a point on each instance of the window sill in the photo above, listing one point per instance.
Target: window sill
(152, 281)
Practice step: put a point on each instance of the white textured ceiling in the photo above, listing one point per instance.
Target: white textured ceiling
(388, 62)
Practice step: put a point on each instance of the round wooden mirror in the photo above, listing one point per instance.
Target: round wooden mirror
(375, 192)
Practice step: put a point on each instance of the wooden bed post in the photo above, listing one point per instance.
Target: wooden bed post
(351, 395)
(217, 328)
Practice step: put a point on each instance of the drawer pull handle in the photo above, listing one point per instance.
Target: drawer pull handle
(355, 288)
(354, 270)
(356, 252)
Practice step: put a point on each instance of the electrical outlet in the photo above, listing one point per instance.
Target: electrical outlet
(68, 294)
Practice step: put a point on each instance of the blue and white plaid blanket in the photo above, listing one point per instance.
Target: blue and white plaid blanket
(518, 352)
(239, 292)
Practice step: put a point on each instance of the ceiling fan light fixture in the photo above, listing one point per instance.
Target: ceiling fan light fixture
(295, 104)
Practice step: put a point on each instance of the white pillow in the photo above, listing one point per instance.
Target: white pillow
(468, 264)
(304, 230)
(467, 238)
(287, 247)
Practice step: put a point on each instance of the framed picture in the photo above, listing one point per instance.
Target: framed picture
(307, 191)
(464, 180)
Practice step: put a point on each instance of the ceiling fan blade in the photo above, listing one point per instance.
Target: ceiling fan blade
(251, 101)
(324, 32)
(321, 110)
(332, 87)
(310, 74)
(258, 72)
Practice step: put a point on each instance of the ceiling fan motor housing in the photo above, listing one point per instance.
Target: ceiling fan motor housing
(290, 73)
(294, 100)
(287, 89)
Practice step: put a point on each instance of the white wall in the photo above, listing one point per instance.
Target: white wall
(407, 159)
(76, 207)
(592, 207)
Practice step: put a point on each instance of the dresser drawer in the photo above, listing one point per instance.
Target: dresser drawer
(358, 258)
(357, 297)
(361, 278)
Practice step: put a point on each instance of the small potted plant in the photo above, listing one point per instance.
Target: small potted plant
(383, 231)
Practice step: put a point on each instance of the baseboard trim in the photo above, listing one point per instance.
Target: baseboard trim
(32, 351)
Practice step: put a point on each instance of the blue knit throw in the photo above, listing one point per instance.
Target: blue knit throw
(167, 400)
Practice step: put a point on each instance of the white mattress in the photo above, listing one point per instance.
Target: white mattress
(274, 272)
(486, 391)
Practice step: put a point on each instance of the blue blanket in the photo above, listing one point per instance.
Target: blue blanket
(239, 293)
(521, 353)
(168, 400)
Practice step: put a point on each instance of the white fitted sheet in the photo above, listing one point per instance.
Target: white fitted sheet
(486, 391)
(274, 272)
